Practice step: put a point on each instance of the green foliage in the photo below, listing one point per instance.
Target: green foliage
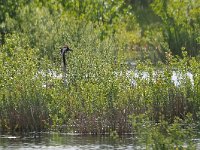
(181, 24)
(102, 91)
(10, 7)
(21, 95)
(163, 135)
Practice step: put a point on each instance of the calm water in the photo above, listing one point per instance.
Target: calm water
(53, 141)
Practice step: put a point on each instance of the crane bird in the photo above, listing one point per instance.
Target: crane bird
(64, 50)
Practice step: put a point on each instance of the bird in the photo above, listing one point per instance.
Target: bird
(64, 50)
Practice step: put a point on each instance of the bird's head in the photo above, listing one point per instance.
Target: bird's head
(64, 49)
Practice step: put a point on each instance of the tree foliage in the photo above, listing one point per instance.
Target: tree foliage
(181, 24)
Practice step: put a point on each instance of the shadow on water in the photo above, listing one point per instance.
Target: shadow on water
(55, 141)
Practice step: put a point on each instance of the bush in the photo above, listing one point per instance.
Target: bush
(23, 105)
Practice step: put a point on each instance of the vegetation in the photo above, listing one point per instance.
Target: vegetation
(157, 99)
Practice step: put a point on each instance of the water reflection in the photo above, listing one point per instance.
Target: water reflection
(53, 141)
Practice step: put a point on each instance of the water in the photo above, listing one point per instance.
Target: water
(54, 141)
(177, 77)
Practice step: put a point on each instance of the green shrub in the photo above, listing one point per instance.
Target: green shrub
(163, 135)
(101, 92)
(23, 105)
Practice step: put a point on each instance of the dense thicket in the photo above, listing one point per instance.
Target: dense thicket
(175, 23)
(134, 67)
